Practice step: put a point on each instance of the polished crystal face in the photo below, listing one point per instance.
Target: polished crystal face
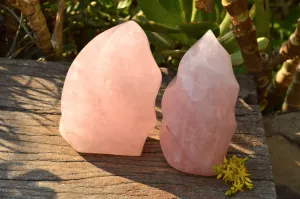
(198, 109)
(109, 93)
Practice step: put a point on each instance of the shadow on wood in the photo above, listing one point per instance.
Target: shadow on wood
(28, 182)
(151, 169)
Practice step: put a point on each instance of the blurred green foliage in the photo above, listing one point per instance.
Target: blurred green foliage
(85, 19)
(284, 18)
(172, 26)
(191, 24)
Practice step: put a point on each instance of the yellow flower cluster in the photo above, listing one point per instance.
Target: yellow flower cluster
(235, 172)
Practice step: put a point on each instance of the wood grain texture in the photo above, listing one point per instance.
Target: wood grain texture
(36, 162)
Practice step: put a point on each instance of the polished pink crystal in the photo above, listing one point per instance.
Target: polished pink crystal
(108, 99)
(198, 109)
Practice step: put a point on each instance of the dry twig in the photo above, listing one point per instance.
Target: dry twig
(32, 10)
(57, 35)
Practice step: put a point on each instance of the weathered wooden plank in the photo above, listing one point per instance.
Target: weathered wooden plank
(30, 100)
(37, 131)
(35, 161)
(132, 188)
(34, 64)
(241, 144)
(23, 81)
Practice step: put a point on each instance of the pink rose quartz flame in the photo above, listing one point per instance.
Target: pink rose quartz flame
(108, 99)
(198, 109)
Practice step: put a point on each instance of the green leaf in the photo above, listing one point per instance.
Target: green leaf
(220, 11)
(194, 12)
(106, 3)
(252, 11)
(225, 24)
(184, 39)
(157, 27)
(96, 23)
(237, 58)
(197, 30)
(159, 40)
(182, 8)
(124, 4)
(172, 31)
(154, 11)
(263, 43)
(261, 19)
(229, 42)
(241, 69)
